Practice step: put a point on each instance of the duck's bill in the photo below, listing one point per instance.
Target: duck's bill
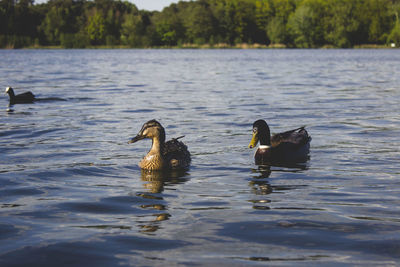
(254, 141)
(135, 139)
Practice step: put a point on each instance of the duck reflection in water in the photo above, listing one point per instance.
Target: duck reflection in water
(154, 182)
(260, 187)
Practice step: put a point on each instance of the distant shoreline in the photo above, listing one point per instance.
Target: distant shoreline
(208, 46)
(201, 24)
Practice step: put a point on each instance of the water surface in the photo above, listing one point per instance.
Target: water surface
(71, 192)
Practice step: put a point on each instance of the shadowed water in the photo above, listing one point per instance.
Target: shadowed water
(71, 192)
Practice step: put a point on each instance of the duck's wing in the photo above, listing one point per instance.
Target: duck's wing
(294, 138)
(27, 95)
(291, 146)
(176, 153)
(174, 146)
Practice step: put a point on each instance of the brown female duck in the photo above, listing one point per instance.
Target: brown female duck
(288, 147)
(162, 155)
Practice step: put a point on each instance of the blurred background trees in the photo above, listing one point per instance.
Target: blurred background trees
(293, 23)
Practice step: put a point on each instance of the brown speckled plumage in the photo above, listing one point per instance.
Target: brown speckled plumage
(176, 154)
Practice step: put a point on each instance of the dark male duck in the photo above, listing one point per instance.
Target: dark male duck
(288, 147)
(162, 155)
(24, 98)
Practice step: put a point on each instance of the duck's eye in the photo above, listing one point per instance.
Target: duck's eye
(255, 130)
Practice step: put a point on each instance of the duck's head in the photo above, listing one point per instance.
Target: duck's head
(9, 91)
(152, 130)
(260, 133)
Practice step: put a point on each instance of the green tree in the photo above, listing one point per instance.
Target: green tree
(19, 21)
(62, 17)
(342, 25)
(169, 26)
(95, 28)
(167, 34)
(199, 23)
(394, 36)
(113, 13)
(224, 13)
(263, 15)
(298, 23)
(377, 15)
(246, 23)
(53, 24)
(283, 8)
(276, 30)
(133, 30)
(306, 24)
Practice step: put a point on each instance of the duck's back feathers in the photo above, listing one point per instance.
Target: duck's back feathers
(291, 146)
(176, 154)
(296, 137)
(26, 95)
(24, 98)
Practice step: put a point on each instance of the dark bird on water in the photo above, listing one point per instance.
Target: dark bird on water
(288, 147)
(23, 98)
(162, 155)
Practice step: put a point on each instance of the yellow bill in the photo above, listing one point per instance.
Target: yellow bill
(254, 140)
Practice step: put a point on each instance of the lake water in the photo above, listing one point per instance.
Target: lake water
(71, 192)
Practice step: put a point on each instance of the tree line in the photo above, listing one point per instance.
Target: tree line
(292, 23)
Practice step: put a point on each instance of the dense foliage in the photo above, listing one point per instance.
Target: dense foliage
(294, 23)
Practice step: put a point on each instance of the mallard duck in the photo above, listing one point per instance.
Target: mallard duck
(23, 98)
(287, 147)
(162, 155)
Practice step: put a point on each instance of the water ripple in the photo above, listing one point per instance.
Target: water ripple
(72, 193)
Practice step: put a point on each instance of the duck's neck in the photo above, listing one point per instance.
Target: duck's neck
(265, 139)
(156, 147)
(154, 159)
(11, 94)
